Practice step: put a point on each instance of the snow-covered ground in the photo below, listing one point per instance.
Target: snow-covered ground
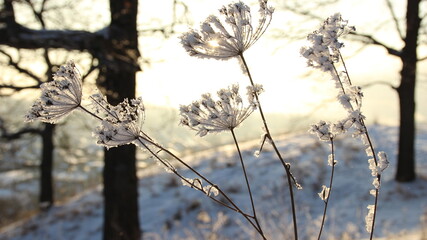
(169, 210)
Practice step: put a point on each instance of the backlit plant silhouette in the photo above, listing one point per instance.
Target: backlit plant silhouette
(223, 37)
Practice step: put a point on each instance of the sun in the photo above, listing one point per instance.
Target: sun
(213, 43)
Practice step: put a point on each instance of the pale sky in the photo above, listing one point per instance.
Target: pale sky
(175, 78)
(181, 79)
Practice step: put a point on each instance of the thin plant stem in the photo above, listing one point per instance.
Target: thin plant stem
(330, 188)
(89, 112)
(369, 143)
(247, 182)
(287, 166)
(234, 207)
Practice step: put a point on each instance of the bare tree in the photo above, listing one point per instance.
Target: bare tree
(115, 47)
(46, 131)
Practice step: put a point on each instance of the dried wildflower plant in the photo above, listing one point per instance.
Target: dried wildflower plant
(324, 54)
(222, 37)
(59, 97)
(210, 116)
(228, 35)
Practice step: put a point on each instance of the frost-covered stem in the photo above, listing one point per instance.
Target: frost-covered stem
(348, 75)
(330, 187)
(345, 67)
(233, 206)
(369, 143)
(247, 183)
(378, 177)
(339, 80)
(375, 209)
(89, 112)
(105, 109)
(287, 166)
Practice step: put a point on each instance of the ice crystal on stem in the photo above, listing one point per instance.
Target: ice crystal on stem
(208, 115)
(59, 97)
(324, 194)
(196, 183)
(369, 219)
(230, 37)
(331, 160)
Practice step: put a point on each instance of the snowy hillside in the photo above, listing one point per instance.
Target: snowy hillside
(169, 210)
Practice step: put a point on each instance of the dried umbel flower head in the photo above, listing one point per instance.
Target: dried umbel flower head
(228, 38)
(121, 124)
(59, 97)
(207, 115)
(322, 130)
(323, 51)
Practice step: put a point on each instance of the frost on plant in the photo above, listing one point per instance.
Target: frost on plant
(378, 168)
(196, 183)
(324, 194)
(369, 219)
(322, 131)
(230, 34)
(324, 53)
(324, 50)
(208, 115)
(121, 124)
(59, 97)
(331, 160)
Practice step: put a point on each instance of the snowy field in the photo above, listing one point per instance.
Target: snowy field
(169, 210)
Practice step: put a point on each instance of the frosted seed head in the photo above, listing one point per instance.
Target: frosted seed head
(324, 47)
(229, 36)
(209, 116)
(322, 130)
(59, 97)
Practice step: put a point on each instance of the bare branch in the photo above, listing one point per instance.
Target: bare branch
(92, 68)
(18, 134)
(395, 20)
(422, 59)
(20, 69)
(4, 134)
(17, 88)
(368, 39)
(13, 34)
(35, 39)
(378, 83)
(37, 14)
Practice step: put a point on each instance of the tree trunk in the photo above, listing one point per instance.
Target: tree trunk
(46, 181)
(117, 53)
(406, 92)
(118, 67)
(121, 219)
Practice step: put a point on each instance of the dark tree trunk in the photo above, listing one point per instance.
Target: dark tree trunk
(406, 91)
(117, 52)
(121, 220)
(46, 198)
(118, 67)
